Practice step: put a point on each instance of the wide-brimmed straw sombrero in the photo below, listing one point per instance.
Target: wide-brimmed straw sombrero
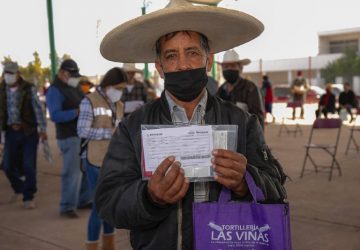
(134, 41)
(231, 56)
(131, 67)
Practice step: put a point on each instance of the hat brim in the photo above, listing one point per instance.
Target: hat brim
(75, 74)
(133, 70)
(134, 41)
(242, 62)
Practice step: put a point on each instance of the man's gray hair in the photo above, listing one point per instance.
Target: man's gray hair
(204, 42)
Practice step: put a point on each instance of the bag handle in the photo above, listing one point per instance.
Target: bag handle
(255, 191)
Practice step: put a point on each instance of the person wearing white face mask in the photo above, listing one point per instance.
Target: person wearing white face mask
(23, 121)
(63, 99)
(100, 113)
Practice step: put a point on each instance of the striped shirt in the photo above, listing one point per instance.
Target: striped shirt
(13, 97)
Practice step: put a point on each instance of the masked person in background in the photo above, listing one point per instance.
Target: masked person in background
(23, 120)
(85, 85)
(242, 92)
(299, 87)
(63, 99)
(159, 211)
(100, 113)
(348, 100)
(135, 93)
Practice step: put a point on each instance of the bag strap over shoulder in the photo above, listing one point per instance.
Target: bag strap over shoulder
(255, 191)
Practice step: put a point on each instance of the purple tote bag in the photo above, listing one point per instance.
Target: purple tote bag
(229, 225)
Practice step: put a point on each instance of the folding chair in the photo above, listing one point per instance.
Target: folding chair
(331, 149)
(284, 127)
(353, 129)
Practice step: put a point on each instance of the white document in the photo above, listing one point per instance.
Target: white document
(191, 146)
(131, 106)
(47, 152)
(220, 139)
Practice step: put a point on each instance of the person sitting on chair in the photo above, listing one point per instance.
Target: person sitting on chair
(326, 103)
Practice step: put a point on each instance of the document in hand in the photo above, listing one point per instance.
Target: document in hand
(131, 106)
(191, 145)
(47, 152)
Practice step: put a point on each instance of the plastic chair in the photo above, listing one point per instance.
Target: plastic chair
(331, 149)
(353, 129)
(285, 128)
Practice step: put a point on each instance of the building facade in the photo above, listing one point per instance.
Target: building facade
(332, 45)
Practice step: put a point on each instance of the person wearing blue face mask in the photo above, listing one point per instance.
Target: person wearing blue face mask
(63, 99)
(180, 39)
(22, 118)
(100, 113)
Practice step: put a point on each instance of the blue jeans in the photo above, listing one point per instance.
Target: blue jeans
(94, 223)
(75, 190)
(20, 161)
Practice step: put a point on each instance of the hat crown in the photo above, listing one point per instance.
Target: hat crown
(231, 56)
(69, 65)
(130, 67)
(177, 3)
(12, 67)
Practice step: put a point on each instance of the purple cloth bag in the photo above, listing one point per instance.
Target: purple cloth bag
(229, 225)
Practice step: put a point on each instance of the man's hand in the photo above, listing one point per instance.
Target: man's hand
(168, 184)
(43, 136)
(230, 170)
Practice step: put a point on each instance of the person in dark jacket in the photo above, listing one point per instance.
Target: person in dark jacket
(267, 93)
(135, 93)
(326, 103)
(348, 100)
(159, 211)
(63, 99)
(240, 91)
(23, 121)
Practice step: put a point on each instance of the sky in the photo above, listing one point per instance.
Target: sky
(291, 27)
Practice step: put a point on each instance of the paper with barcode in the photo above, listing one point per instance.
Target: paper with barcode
(191, 146)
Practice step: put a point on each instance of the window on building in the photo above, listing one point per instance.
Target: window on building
(342, 46)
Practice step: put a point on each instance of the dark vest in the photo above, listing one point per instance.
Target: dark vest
(27, 114)
(72, 99)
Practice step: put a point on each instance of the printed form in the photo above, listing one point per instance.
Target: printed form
(191, 146)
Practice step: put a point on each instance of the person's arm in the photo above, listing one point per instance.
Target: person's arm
(38, 110)
(354, 100)
(342, 101)
(54, 100)
(85, 121)
(122, 198)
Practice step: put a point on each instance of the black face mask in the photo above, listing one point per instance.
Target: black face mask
(231, 75)
(186, 85)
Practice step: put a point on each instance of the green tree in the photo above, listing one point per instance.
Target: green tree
(347, 67)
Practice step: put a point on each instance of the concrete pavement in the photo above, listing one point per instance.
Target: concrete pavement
(324, 215)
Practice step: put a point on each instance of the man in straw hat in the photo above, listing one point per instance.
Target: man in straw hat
(135, 93)
(242, 92)
(180, 39)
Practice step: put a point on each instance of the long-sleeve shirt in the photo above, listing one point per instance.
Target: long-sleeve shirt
(85, 121)
(13, 111)
(54, 101)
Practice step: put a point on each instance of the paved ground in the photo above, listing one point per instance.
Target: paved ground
(324, 215)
